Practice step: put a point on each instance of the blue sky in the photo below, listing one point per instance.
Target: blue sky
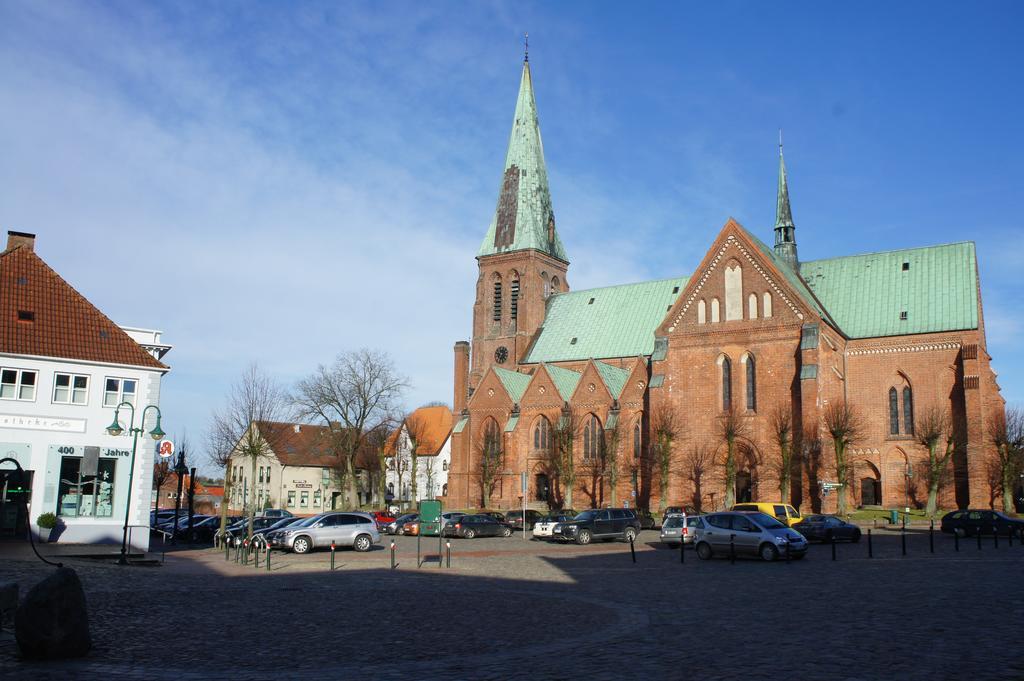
(279, 182)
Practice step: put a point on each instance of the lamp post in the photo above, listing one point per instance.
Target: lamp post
(115, 429)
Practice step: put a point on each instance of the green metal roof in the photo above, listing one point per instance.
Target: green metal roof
(510, 425)
(565, 380)
(866, 294)
(616, 321)
(614, 378)
(792, 278)
(524, 218)
(461, 425)
(515, 383)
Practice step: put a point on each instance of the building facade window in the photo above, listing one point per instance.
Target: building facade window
(18, 384)
(444, 465)
(751, 384)
(733, 292)
(118, 390)
(726, 384)
(766, 305)
(894, 412)
(593, 439)
(291, 498)
(492, 440)
(496, 301)
(316, 498)
(714, 310)
(542, 435)
(514, 299)
(85, 495)
(70, 389)
(702, 312)
(908, 411)
(304, 498)
(752, 306)
(637, 440)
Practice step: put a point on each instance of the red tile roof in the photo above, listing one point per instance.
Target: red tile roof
(310, 446)
(434, 425)
(63, 323)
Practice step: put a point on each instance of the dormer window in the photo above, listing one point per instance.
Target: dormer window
(903, 316)
(906, 267)
(26, 316)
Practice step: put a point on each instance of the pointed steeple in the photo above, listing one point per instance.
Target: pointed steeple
(785, 231)
(524, 218)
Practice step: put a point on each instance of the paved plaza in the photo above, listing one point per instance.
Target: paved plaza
(515, 609)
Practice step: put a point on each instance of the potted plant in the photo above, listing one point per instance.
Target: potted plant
(47, 522)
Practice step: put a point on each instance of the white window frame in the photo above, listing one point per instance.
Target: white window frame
(71, 389)
(120, 391)
(19, 385)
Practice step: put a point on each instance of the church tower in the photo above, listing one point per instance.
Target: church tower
(785, 232)
(521, 260)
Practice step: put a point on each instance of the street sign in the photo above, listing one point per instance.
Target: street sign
(430, 517)
(165, 448)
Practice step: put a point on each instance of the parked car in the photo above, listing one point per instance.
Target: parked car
(451, 517)
(515, 518)
(276, 513)
(405, 527)
(396, 524)
(678, 510)
(358, 530)
(679, 528)
(974, 521)
(479, 525)
(599, 523)
(202, 530)
(782, 512)
(497, 515)
(411, 528)
(241, 528)
(819, 527)
(382, 518)
(275, 532)
(749, 534)
(542, 529)
(279, 525)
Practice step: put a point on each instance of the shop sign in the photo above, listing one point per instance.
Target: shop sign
(60, 425)
(107, 452)
(302, 485)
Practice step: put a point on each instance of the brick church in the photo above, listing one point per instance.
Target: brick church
(617, 395)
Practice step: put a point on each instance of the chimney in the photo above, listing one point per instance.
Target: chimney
(461, 376)
(15, 239)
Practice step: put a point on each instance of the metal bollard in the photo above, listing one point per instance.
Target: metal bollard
(903, 540)
(632, 550)
(255, 555)
(245, 552)
(227, 550)
(448, 544)
(332, 554)
(833, 547)
(393, 565)
(682, 550)
(931, 537)
(732, 549)
(871, 549)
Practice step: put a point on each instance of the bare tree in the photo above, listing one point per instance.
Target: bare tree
(416, 430)
(696, 463)
(844, 426)
(934, 430)
(352, 397)
(561, 458)
(430, 475)
(490, 456)
(731, 427)
(781, 421)
(1006, 432)
(666, 429)
(613, 458)
(811, 453)
(255, 401)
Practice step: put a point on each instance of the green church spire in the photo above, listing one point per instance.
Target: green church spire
(524, 218)
(785, 231)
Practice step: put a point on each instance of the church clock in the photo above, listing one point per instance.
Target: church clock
(501, 354)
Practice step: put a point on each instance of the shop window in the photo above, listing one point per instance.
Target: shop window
(118, 390)
(85, 495)
(291, 498)
(18, 384)
(70, 389)
(304, 498)
(316, 498)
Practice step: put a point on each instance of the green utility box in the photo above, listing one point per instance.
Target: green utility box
(894, 517)
(430, 518)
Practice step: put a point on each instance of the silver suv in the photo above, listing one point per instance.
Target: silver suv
(358, 530)
(749, 534)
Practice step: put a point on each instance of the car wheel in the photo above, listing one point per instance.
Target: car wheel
(506, 532)
(704, 551)
(469, 534)
(583, 537)
(769, 553)
(302, 545)
(362, 543)
(630, 534)
(960, 532)
(856, 536)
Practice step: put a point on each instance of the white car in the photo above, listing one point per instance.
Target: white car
(543, 528)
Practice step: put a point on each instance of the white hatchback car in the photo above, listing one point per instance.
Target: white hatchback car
(544, 527)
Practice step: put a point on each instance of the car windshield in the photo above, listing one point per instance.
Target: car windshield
(674, 521)
(587, 515)
(766, 521)
(306, 522)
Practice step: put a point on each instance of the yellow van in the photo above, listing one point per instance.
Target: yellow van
(784, 512)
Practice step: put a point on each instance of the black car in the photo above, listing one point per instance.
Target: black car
(646, 518)
(497, 515)
(818, 527)
(481, 525)
(202, 530)
(515, 518)
(972, 522)
(599, 523)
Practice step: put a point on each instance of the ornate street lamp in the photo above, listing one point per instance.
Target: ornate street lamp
(115, 429)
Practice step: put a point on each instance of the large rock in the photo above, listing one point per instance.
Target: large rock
(52, 621)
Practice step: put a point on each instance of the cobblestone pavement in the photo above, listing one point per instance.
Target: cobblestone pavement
(514, 609)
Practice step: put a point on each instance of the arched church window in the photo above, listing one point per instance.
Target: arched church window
(555, 285)
(726, 384)
(496, 300)
(714, 310)
(751, 384)
(908, 411)
(733, 291)
(702, 312)
(593, 438)
(894, 412)
(492, 441)
(766, 305)
(514, 299)
(752, 306)
(542, 435)
(636, 440)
